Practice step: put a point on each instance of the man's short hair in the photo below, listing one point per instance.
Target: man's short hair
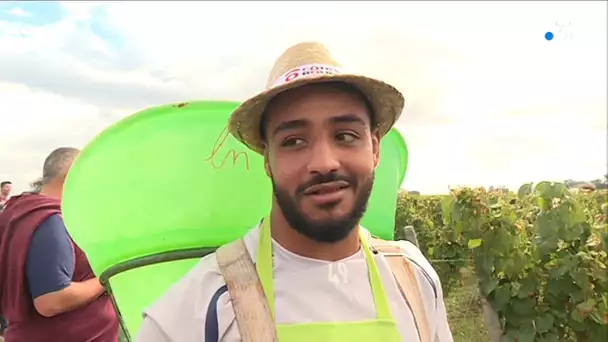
(58, 163)
(5, 183)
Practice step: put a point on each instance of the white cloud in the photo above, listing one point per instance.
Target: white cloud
(22, 105)
(19, 12)
(35, 122)
(489, 100)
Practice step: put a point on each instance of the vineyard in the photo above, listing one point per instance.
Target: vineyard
(538, 258)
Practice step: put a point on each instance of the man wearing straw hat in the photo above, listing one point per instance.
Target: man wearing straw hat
(308, 271)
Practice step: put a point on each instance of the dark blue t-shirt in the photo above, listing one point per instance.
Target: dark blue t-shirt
(50, 258)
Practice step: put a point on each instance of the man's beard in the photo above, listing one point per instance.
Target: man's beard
(326, 231)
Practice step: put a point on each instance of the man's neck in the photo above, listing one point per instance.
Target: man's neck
(301, 245)
(51, 190)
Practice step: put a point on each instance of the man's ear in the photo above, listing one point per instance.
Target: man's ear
(266, 163)
(376, 147)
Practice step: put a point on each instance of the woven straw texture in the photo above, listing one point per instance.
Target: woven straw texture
(244, 124)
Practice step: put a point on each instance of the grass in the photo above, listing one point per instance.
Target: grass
(465, 314)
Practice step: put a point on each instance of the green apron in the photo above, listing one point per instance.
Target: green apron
(383, 328)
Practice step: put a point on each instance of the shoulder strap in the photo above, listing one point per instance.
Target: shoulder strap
(251, 308)
(407, 282)
(248, 300)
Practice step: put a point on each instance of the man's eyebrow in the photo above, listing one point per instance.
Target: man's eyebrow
(289, 125)
(295, 124)
(348, 118)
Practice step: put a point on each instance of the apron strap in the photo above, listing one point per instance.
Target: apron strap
(407, 282)
(248, 301)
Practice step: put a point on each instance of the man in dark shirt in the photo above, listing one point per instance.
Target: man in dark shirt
(48, 291)
(50, 258)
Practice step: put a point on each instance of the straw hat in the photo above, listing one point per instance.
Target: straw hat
(303, 64)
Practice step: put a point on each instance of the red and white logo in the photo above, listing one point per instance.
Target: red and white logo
(307, 71)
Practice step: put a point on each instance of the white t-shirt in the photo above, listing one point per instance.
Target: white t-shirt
(306, 291)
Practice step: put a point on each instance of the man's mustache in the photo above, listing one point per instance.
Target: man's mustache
(325, 178)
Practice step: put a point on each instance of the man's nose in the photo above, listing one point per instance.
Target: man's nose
(323, 159)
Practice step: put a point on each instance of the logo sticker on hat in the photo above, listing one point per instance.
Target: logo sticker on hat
(307, 71)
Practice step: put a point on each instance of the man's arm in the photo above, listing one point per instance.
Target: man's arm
(428, 274)
(50, 267)
(443, 332)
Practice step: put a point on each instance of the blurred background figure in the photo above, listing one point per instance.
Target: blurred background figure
(5, 192)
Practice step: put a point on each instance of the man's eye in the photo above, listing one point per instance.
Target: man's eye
(292, 142)
(346, 137)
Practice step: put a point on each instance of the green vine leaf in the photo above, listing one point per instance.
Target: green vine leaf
(474, 243)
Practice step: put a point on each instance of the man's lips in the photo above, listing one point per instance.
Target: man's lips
(326, 188)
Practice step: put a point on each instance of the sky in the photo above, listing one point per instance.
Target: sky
(489, 101)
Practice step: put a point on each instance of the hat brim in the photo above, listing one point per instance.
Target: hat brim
(386, 101)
